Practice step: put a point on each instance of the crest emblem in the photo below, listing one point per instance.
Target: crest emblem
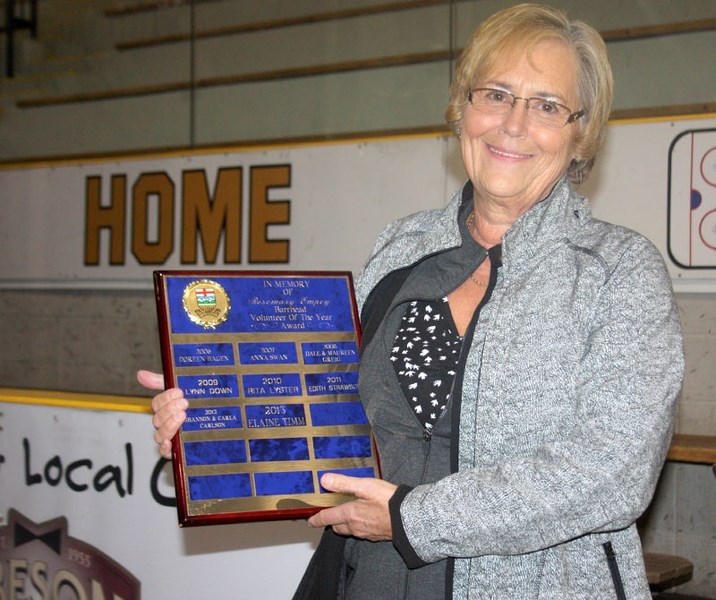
(206, 303)
(205, 296)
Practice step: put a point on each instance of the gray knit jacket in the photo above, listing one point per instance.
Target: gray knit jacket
(567, 406)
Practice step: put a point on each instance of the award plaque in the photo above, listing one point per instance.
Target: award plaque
(269, 364)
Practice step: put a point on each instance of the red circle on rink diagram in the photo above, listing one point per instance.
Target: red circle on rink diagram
(708, 167)
(707, 229)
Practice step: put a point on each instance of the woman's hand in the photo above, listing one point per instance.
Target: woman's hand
(169, 409)
(365, 517)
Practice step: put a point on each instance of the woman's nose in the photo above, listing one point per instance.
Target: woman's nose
(516, 119)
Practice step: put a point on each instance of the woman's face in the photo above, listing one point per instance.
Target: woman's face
(510, 158)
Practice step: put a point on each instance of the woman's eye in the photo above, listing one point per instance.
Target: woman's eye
(547, 107)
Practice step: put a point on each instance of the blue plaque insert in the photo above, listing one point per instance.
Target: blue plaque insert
(215, 417)
(321, 384)
(215, 452)
(328, 353)
(275, 415)
(358, 472)
(290, 482)
(342, 446)
(203, 355)
(268, 353)
(277, 449)
(208, 386)
(271, 304)
(217, 487)
(338, 413)
(280, 384)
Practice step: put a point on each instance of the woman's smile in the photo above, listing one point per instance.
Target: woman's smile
(509, 154)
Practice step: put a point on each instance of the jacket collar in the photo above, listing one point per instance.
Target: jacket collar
(408, 240)
(551, 221)
(414, 237)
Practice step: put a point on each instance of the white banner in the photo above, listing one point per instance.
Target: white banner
(659, 178)
(99, 470)
(114, 222)
(110, 223)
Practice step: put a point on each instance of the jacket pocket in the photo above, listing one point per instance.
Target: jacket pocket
(614, 570)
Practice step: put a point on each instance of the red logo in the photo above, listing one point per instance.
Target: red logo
(42, 560)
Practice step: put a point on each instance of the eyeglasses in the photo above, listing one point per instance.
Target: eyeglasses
(540, 110)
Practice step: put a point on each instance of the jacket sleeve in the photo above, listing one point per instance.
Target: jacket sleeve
(369, 274)
(600, 472)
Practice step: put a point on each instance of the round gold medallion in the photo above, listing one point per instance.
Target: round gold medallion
(206, 303)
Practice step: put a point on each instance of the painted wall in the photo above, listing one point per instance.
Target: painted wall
(68, 326)
(76, 53)
(93, 340)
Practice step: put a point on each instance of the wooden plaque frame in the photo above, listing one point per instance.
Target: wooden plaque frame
(269, 363)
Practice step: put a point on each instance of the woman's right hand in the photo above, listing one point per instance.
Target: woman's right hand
(169, 409)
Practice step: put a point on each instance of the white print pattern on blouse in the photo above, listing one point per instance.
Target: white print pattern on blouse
(427, 347)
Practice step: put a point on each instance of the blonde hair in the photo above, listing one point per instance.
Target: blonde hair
(522, 27)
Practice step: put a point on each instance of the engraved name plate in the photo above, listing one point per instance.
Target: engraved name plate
(269, 364)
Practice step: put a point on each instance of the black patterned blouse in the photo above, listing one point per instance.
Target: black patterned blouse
(425, 355)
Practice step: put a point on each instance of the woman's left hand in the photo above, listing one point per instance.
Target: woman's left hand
(365, 517)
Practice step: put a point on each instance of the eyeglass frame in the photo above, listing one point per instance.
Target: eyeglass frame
(571, 118)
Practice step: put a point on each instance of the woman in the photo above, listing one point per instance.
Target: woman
(520, 359)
